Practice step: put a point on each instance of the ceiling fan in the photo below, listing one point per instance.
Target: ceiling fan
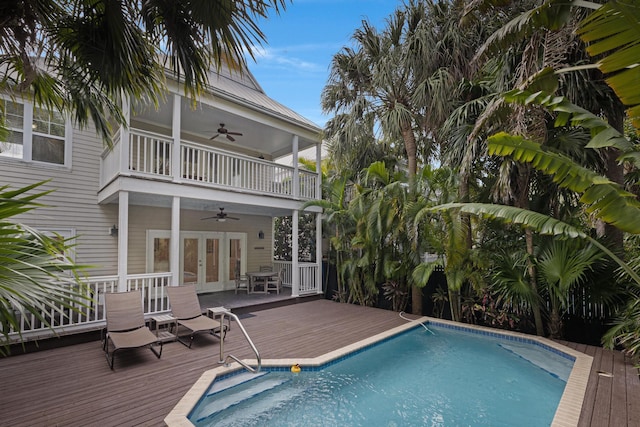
(221, 216)
(224, 131)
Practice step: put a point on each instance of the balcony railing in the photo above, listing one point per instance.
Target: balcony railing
(151, 155)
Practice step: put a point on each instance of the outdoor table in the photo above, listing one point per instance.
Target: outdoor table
(260, 275)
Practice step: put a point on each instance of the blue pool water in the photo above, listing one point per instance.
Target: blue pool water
(449, 378)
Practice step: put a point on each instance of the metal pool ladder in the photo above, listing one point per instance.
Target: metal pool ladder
(231, 356)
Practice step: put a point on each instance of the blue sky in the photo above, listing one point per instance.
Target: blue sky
(294, 65)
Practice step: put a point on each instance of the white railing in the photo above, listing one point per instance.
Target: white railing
(309, 279)
(222, 168)
(150, 155)
(308, 276)
(91, 315)
(110, 164)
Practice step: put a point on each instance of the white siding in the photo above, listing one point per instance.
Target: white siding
(143, 218)
(73, 204)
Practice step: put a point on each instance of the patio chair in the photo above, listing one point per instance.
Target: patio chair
(186, 309)
(274, 283)
(126, 328)
(242, 281)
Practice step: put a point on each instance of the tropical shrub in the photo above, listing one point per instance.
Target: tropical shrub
(36, 274)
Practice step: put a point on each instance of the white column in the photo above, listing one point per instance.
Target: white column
(174, 249)
(296, 174)
(295, 269)
(319, 251)
(176, 127)
(123, 239)
(27, 131)
(124, 135)
(319, 171)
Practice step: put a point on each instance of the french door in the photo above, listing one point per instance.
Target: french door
(207, 259)
(202, 261)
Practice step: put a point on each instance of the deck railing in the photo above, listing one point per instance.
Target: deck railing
(151, 155)
(308, 276)
(92, 315)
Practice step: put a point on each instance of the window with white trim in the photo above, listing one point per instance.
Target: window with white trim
(35, 134)
(62, 234)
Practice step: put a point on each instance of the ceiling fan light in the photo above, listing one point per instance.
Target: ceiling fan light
(222, 219)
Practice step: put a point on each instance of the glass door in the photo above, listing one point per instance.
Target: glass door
(201, 261)
(207, 259)
(237, 249)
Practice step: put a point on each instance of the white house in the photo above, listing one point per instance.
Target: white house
(138, 211)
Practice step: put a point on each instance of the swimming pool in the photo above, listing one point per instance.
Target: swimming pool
(452, 377)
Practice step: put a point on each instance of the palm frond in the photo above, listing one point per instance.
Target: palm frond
(550, 15)
(603, 135)
(614, 31)
(604, 198)
(36, 276)
(541, 223)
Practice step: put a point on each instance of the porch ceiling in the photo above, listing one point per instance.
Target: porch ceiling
(262, 130)
(206, 206)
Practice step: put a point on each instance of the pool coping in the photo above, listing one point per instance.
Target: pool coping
(567, 414)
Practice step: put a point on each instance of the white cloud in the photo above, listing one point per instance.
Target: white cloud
(285, 57)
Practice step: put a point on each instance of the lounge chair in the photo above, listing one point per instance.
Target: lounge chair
(186, 308)
(126, 328)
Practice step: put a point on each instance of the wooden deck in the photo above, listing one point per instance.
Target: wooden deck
(73, 385)
(613, 393)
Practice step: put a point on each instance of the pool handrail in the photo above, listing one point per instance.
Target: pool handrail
(231, 356)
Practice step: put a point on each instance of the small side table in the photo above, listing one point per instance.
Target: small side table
(165, 334)
(220, 313)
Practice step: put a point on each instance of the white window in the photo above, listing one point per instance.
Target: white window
(12, 146)
(62, 234)
(35, 134)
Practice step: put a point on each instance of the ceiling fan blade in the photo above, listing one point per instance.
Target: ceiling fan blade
(230, 138)
(215, 136)
(231, 217)
(209, 217)
(234, 133)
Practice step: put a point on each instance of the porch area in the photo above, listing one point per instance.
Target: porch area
(73, 386)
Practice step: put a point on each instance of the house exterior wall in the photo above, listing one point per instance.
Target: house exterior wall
(72, 205)
(144, 218)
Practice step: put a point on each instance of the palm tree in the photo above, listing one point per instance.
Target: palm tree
(79, 57)
(338, 222)
(563, 266)
(374, 85)
(446, 234)
(36, 274)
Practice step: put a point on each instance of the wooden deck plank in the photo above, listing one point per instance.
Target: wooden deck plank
(602, 404)
(619, 391)
(592, 388)
(73, 386)
(633, 393)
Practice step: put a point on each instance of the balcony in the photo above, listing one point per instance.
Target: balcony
(153, 156)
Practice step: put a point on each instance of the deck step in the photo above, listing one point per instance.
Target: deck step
(218, 401)
(232, 381)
